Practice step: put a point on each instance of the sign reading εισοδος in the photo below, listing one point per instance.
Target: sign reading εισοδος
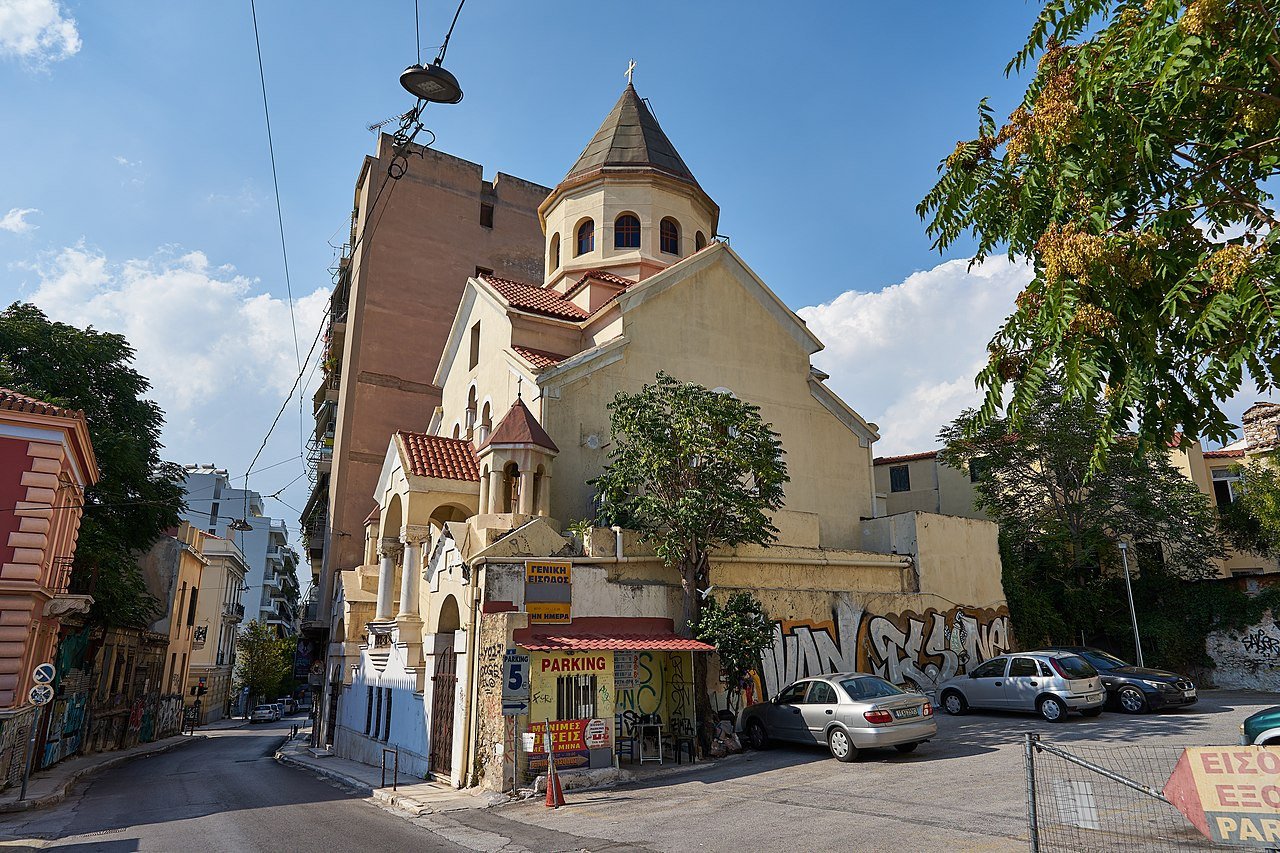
(548, 591)
(1231, 794)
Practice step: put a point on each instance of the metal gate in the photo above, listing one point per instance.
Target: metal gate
(1101, 799)
(444, 686)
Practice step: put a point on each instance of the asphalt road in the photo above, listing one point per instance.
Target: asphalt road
(963, 791)
(227, 793)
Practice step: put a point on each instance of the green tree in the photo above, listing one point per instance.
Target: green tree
(138, 496)
(1134, 174)
(262, 660)
(1060, 528)
(740, 631)
(1252, 520)
(692, 470)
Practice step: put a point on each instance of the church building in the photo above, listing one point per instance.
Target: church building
(470, 577)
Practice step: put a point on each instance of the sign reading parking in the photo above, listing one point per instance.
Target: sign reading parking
(43, 674)
(41, 694)
(515, 677)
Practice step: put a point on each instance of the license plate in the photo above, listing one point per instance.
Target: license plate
(1189, 694)
(904, 713)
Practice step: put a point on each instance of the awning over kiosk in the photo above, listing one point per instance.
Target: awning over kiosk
(616, 633)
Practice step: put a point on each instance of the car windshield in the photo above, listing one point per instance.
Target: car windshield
(1076, 667)
(1102, 660)
(869, 687)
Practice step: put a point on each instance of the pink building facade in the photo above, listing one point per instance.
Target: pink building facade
(46, 463)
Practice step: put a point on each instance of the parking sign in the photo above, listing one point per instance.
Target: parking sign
(515, 677)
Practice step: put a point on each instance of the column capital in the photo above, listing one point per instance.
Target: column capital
(415, 534)
(391, 548)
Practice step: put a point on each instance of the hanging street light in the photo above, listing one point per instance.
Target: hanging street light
(431, 83)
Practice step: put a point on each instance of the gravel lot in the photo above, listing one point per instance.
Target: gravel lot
(963, 791)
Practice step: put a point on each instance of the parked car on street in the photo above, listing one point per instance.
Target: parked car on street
(1261, 728)
(1047, 682)
(1136, 689)
(279, 710)
(286, 703)
(847, 711)
(263, 714)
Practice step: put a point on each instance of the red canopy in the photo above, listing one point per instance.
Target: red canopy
(611, 633)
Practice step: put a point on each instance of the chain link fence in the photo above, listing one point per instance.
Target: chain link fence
(1088, 798)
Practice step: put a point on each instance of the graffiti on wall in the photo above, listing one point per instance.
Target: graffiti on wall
(920, 649)
(656, 683)
(1249, 660)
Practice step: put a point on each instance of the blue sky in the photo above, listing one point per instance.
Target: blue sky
(138, 185)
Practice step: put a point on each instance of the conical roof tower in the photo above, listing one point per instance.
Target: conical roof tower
(629, 205)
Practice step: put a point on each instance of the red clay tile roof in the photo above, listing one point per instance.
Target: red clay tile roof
(440, 457)
(536, 299)
(519, 426)
(598, 275)
(1224, 454)
(621, 633)
(910, 457)
(14, 402)
(539, 358)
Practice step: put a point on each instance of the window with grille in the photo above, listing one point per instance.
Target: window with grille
(626, 232)
(586, 237)
(669, 233)
(900, 478)
(575, 697)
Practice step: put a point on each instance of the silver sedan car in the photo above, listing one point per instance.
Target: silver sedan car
(847, 711)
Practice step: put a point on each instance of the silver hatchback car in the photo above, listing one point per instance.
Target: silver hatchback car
(847, 711)
(1049, 683)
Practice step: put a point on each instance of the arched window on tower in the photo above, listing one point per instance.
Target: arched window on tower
(670, 236)
(486, 421)
(471, 412)
(626, 232)
(586, 237)
(699, 241)
(510, 487)
(553, 256)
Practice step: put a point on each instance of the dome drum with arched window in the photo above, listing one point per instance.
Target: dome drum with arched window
(629, 205)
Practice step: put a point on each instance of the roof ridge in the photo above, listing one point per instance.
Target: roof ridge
(16, 401)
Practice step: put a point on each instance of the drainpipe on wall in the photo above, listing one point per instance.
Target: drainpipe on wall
(617, 542)
(471, 731)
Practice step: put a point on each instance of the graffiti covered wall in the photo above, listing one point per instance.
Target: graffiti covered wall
(1249, 659)
(908, 647)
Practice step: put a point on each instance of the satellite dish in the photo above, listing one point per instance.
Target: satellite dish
(431, 83)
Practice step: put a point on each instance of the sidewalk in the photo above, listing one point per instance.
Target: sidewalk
(413, 795)
(48, 787)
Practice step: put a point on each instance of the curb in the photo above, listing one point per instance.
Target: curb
(408, 804)
(61, 793)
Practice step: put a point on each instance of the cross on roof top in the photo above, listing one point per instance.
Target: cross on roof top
(631, 67)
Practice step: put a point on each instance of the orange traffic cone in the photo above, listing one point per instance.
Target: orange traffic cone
(555, 796)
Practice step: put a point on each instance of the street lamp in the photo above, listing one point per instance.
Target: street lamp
(1133, 614)
(431, 83)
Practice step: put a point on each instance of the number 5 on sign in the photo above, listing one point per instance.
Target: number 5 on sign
(515, 681)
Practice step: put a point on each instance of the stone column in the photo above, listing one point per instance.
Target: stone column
(483, 506)
(389, 551)
(413, 536)
(495, 492)
(544, 495)
(526, 493)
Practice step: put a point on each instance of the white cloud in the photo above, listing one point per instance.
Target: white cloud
(126, 162)
(905, 356)
(16, 220)
(207, 338)
(37, 32)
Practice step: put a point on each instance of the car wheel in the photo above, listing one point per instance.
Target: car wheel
(953, 703)
(1091, 712)
(1132, 701)
(757, 736)
(842, 748)
(906, 747)
(1052, 709)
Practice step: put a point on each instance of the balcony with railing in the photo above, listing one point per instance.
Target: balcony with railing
(233, 611)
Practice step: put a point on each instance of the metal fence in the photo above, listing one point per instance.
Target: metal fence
(1088, 798)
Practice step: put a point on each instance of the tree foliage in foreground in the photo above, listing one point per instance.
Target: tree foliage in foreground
(1060, 528)
(740, 631)
(692, 470)
(138, 496)
(1252, 520)
(262, 660)
(1134, 174)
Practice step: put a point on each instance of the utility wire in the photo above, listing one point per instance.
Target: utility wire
(275, 180)
(417, 34)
